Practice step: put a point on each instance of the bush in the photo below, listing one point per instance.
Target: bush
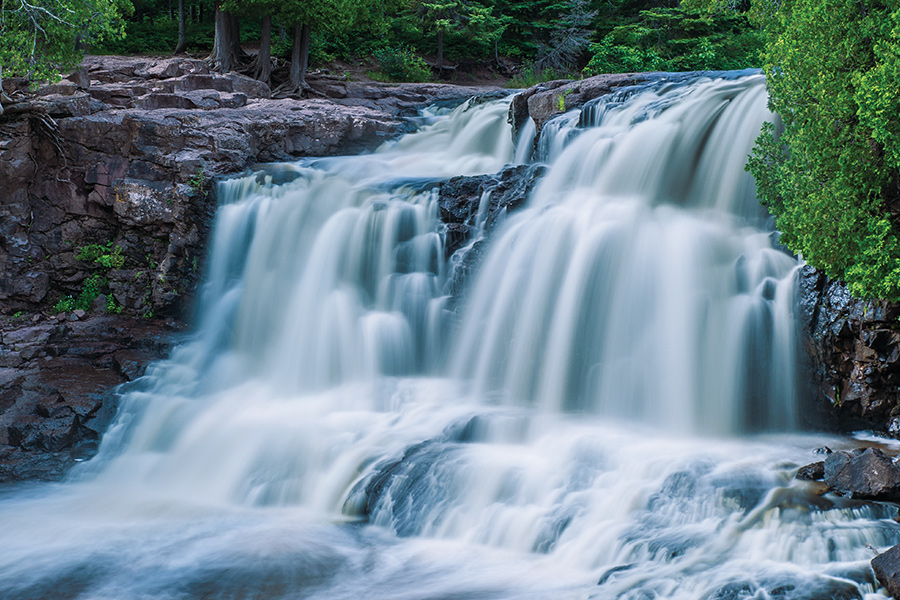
(401, 64)
(832, 178)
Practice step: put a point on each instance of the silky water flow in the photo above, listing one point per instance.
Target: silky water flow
(608, 411)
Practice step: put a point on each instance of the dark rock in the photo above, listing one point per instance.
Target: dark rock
(460, 197)
(54, 408)
(131, 363)
(867, 474)
(887, 570)
(80, 78)
(852, 352)
(811, 472)
(459, 200)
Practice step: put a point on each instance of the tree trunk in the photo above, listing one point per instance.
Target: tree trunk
(440, 56)
(296, 82)
(264, 58)
(181, 46)
(236, 49)
(222, 58)
(304, 53)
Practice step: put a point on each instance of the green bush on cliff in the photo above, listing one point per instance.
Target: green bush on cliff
(831, 177)
(108, 257)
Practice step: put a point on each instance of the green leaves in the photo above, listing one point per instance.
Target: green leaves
(38, 38)
(830, 179)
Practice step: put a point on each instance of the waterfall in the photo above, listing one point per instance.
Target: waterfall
(608, 411)
(642, 282)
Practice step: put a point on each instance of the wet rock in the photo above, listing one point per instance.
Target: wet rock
(811, 472)
(459, 200)
(887, 570)
(460, 197)
(55, 404)
(852, 351)
(867, 474)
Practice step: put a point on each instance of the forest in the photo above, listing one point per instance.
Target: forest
(828, 171)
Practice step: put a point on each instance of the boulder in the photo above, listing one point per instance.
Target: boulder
(887, 570)
(867, 474)
(811, 472)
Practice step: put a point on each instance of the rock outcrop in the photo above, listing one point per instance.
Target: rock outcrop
(465, 219)
(57, 380)
(887, 570)
(853, 352)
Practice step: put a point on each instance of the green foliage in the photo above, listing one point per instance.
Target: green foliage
(113, 307)
(66, 304)
(158, 34)
(39, 38)
(104, 255)
(108, 257)
(561, 100)
(831, 178)
(197, 182)
(89, 291)
(677, 39)
(401, 64)
(458, 20)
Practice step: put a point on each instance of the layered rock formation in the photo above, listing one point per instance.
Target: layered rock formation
(57, 386)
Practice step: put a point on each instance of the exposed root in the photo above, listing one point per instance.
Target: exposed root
(286, 90)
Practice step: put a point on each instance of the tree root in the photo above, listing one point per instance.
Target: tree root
(286, 90)
(42, 123)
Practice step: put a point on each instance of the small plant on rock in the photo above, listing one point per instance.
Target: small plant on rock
(107, 256)
(65, 305)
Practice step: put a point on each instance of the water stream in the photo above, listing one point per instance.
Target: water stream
(611, 410)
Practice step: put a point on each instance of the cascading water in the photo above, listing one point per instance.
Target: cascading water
(334, 430)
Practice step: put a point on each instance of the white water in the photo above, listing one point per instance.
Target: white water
(574, 431)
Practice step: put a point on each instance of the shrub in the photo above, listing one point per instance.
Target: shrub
(400, 63)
